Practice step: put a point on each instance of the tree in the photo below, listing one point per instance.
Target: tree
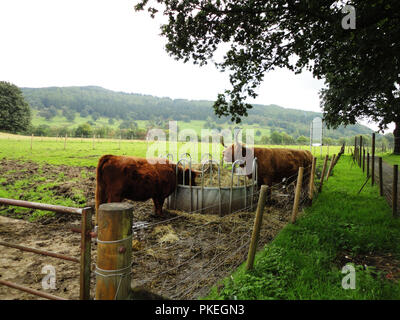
(95, 116)
(287, 138)
(42, 130)
(15, 113)
(302, 140)
(361, 67)
(70, 115)
(276, 137)
(265, 140)
(84, 129)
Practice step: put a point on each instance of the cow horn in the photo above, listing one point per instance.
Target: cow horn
(196, 171)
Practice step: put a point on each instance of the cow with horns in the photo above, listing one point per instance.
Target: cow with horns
(138, 179)
(274, 165)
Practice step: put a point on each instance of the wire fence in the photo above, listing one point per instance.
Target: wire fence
(210, 247)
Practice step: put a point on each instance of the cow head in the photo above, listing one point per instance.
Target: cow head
(235, 151)
(239, 151)
(185, 174)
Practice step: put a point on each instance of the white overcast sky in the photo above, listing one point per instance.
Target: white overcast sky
(106, 43)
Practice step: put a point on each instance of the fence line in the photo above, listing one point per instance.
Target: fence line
(219, 257)
(382, 172)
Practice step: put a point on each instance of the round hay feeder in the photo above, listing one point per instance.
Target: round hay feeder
(216, 193)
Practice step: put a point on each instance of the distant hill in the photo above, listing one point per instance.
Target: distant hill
(100, 102)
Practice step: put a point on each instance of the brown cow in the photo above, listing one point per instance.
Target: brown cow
(274, 164)
(137, 179)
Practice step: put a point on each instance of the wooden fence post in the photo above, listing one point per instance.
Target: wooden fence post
(360, 155)
(373, 160)
(368, 164)
(297, 194)
(256, 228)
(85, 262)
(114, 251)
(323, 174)
(65, 141)
(312, 178)
(331, 166)
(380, 177)
(363, 161)
(394, 189)
(355, 148)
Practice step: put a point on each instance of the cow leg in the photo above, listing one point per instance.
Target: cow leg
(114, 197)
(158, 205)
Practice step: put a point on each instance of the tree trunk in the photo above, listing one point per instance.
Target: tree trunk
(396, 134)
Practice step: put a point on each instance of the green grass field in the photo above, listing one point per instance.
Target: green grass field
(305, 260)
(83, 152)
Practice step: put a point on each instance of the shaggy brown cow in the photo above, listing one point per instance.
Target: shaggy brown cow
(274, 164)
(120, 177)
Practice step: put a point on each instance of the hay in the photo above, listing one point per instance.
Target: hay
(165, 234)
(225, 179)
(168, 238)
(137, 245)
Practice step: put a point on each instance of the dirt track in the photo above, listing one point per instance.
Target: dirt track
(180, 258)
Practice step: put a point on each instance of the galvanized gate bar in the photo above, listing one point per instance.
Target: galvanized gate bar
(85, 259)
(237, 162)
(42, 252)
(185, 160)
(31, 291)
(40, 206)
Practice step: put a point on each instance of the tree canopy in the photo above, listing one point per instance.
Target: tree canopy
(360, 66)
(15, 114)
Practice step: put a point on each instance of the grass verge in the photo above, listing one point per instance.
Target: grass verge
(305, 260)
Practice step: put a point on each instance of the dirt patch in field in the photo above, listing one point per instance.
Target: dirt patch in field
(179, 255)
(385, 263)
(76, 183)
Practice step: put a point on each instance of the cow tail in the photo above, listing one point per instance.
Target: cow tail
(100, 195)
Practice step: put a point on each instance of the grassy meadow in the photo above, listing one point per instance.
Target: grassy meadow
(305, 260)
(86, 151)
(42, 173)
